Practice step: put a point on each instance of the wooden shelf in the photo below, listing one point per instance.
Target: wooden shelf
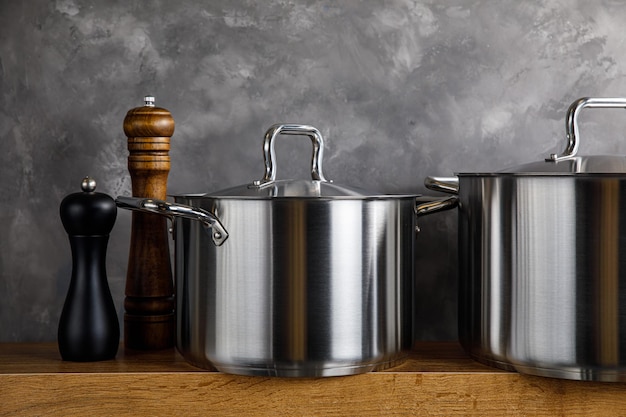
(437, 379)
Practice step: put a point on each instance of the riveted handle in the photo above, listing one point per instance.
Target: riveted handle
(269, 155)
(211, 223)
(571, 122)
(427, 205)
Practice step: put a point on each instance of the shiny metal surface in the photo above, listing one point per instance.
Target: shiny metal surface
(149, 101)
(302, 287)
(576, 165)
(428, 205)
(269, 155)
(293, 188)
(571, 121)
(268, 187)
(449, 185)
(315, 279)
(542, 262)
(214, 227)
(568, 163)
(543, 272)
(88, 184)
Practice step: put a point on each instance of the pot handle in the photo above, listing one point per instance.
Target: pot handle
(269, 156)
(571, 122)
(428, 205)
(449, 185)
(209, 221)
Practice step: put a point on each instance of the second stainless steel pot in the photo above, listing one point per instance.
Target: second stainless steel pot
(542, 282)
(295, 278)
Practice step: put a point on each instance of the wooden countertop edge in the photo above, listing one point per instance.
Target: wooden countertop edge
(41, 358)
(437, 379)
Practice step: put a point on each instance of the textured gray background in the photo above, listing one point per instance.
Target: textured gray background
(400, 89)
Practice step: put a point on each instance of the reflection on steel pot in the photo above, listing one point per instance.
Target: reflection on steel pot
(295, 277)
(543, 262)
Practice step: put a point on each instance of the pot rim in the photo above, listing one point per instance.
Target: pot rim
(544, 174)
(377, 197)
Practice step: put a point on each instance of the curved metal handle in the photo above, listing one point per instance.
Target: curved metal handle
(269, 155)
(571, 122)
(210, 222)
(449, 185)
(428, 205)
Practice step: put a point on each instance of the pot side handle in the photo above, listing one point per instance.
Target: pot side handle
(448, 185)
(210, 222)
(428, 205)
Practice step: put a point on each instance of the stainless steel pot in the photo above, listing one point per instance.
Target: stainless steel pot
(542, 259)
(295, 277)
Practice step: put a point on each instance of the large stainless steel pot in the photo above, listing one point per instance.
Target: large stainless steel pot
(543, 262)
(295, 278)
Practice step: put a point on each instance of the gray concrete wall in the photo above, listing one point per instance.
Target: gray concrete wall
(400, 89)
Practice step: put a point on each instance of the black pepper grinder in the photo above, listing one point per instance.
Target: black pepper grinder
(88, 328)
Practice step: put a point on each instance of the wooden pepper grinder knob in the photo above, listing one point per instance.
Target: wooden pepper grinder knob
(149, 321)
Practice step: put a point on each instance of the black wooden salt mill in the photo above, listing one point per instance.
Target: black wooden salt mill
(88, 328)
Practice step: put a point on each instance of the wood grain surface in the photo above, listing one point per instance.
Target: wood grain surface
(149, 321)
(437, 379)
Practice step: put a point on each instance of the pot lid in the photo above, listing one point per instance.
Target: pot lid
(291, 188)
(594, 164)
(269, 187)
(568, 162)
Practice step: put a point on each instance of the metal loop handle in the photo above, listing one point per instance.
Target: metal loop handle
(209, 221)
(269, 155)
(427, 205)
(571, 122)
(449, 185)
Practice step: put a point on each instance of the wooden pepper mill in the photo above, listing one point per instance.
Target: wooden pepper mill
(149, 321)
